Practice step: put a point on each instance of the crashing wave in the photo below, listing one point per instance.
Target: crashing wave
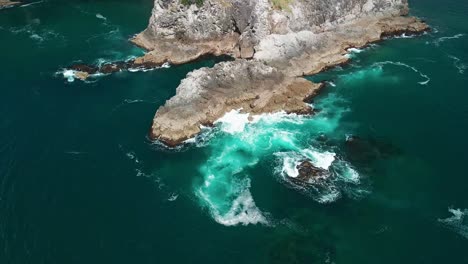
(340, 179)
(242, 210)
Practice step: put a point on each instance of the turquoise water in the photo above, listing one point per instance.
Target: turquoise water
(81, 183)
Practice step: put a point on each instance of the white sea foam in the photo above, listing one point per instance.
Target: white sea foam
(30, 4)
(349, 174)
(243, 211)
(36, 37)
(173, 197)
(427, 79)
(438, 41)
(131, 155)
(101, 17)
(329, 197)
(404, 36)
(233, 122)
(321, 160)
(242, 140)
(355, 50)
(458, 222)
(69, 75)
(165, 65)
(290, 162)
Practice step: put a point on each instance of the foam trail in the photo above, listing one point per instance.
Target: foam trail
(458, 64)
(427, 79)
(242, 210)
(458, 222)
(30, 4)
(442, 39)
(99, 16)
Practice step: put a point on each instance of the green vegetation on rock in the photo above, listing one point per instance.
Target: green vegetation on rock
(281, 4)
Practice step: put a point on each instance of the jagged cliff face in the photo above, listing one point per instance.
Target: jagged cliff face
(246, 22)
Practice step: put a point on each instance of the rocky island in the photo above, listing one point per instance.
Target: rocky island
(275, 43)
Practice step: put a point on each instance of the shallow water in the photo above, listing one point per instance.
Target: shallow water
(81, 183)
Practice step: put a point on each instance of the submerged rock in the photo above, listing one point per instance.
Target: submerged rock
(365, 151)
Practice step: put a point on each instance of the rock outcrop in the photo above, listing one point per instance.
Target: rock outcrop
(208, 93)
(308, 173)
(275, 43)
(8, 3)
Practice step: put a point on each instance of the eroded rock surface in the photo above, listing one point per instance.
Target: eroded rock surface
(208, 93)
(308, 173)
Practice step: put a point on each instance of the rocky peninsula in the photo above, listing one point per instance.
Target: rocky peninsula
(275, 43)
(8, 3)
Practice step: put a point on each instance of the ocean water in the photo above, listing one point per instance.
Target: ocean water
(81, 183)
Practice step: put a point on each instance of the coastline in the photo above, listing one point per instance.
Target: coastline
(182, 115)
(272, 53)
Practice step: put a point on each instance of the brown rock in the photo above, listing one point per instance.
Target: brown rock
(81, 75)
(309, 173)
(84, 68)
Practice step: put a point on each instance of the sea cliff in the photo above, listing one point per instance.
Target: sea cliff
(275, 43)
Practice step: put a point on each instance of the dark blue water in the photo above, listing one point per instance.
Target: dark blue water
(81, 183)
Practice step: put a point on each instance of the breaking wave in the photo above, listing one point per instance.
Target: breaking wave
(243, 141)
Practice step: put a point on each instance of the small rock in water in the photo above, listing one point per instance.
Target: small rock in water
(309, 173)
(81, 75)
(109, 68)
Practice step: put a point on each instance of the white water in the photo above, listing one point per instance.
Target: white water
(458, 222)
